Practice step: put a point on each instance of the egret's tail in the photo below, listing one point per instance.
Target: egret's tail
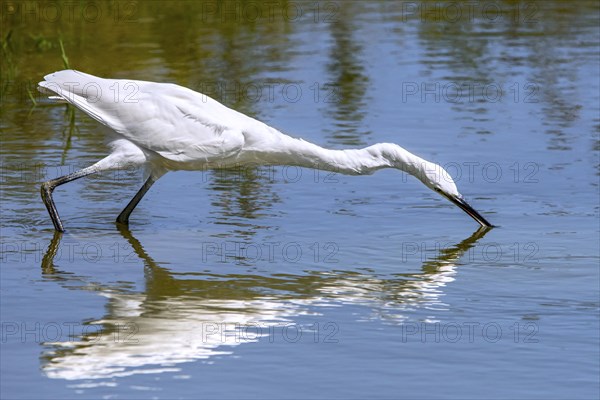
(62, 85)
(84, 91)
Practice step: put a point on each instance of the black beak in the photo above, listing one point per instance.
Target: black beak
(469, 210)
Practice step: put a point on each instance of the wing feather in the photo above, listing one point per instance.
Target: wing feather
(175, 122)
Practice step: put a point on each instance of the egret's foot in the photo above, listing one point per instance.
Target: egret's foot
(123, 220)
(46, 192)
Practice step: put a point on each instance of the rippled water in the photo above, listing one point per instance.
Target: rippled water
(287, 282)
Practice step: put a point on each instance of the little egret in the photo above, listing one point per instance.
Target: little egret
(165, 127)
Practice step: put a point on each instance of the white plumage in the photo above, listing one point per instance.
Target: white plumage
(165, 127)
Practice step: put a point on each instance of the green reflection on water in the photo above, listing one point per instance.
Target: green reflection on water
(224, 49)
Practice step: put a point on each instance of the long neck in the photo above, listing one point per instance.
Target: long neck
(291, 151)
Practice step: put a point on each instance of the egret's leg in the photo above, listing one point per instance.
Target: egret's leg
(123, 218)
(48, 187)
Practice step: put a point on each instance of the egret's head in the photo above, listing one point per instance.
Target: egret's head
(439, 180)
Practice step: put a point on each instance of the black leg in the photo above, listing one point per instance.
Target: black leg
(48, 187)
(123, 218)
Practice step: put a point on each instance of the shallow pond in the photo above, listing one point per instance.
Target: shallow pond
(293, 283)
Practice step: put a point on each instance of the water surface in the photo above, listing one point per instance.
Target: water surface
(294, 283)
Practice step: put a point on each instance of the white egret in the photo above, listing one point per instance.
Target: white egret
(165, 127)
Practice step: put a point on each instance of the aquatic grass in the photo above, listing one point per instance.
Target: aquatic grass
(69, 110)
(63, 54)
(32, 98)
(8, 67)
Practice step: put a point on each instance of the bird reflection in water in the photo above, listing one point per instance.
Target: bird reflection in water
(177, 320)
